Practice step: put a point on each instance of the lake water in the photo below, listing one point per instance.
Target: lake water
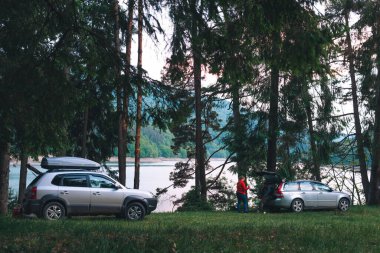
(155, 175)
(152, 176)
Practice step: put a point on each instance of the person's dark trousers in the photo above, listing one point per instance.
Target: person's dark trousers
(242, 198)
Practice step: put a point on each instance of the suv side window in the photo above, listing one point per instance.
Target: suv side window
(74, 180)
(306, 186)
(101, 182)
(56, 180)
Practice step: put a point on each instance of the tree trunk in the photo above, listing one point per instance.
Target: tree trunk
(4, 177)
(121, 135)
(287, 161)
(355, 103)
(316, 172)
(237, 130)
(84, 134)
(23, 175)
(374, 192)
(374, 188)
(232, 68)
(139, 97)
(273, 111)
(200, 175)
(199, 147)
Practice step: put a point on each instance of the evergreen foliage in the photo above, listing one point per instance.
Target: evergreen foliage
(284, 69)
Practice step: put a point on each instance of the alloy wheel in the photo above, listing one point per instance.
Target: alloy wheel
(135, 212)
(297, 205)
(54, 211)
(344, 205)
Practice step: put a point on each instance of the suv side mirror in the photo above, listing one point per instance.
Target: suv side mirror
(117, 186)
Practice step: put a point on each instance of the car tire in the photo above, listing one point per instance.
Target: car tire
(54, 211)
(297, 206)
(135, 211)
(343, 204)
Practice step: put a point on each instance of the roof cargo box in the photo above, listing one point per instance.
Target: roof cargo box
(68, 163)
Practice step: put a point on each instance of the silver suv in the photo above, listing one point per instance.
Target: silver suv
(72, 187)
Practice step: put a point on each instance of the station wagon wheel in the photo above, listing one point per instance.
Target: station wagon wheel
(297, 205)
(343, 204)
(135, 211)
(54, 211)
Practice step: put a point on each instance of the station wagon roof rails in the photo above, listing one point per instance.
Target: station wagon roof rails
(68, 163)
(69, 170)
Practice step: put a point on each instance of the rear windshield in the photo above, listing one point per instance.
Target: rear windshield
(36, 179)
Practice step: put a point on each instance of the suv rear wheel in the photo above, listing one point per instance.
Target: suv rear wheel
(54, 211)
(135, 211)
(297, 205)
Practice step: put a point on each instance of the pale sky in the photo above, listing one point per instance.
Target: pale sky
(156, 53)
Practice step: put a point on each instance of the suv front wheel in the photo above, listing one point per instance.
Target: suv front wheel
(344, 204)
(54, 211)
(135, 211)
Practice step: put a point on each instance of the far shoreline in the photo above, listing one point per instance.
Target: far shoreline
(114, 159)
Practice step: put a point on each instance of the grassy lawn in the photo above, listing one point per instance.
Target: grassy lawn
(357, 230)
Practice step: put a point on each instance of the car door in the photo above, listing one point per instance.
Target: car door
(75, 191)
(106, 197)
(308, 194)
(326, 197)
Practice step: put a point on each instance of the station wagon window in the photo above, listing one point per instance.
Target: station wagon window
(306, 186)
(291, 186)
(101, 182)
(322, 187)
(74, 180)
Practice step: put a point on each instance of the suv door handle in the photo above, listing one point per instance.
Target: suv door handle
(96, 193)
(64, 192)
(303, 193)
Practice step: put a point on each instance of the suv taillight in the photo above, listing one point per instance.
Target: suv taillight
(279, 193)
(34, 193)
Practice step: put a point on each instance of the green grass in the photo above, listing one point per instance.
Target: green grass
(357, 230)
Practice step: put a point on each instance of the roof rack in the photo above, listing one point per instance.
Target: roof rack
(68, 163)
(69, 170)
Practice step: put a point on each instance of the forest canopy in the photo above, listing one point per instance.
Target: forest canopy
(286, 73)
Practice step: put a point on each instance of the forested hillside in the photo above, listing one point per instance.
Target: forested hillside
(158, 143)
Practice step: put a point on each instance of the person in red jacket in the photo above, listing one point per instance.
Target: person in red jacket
(241, 193)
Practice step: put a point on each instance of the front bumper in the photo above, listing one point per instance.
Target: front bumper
(152, 204)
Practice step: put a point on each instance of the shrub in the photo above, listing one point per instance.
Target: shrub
(191, 201)
(12, 200)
